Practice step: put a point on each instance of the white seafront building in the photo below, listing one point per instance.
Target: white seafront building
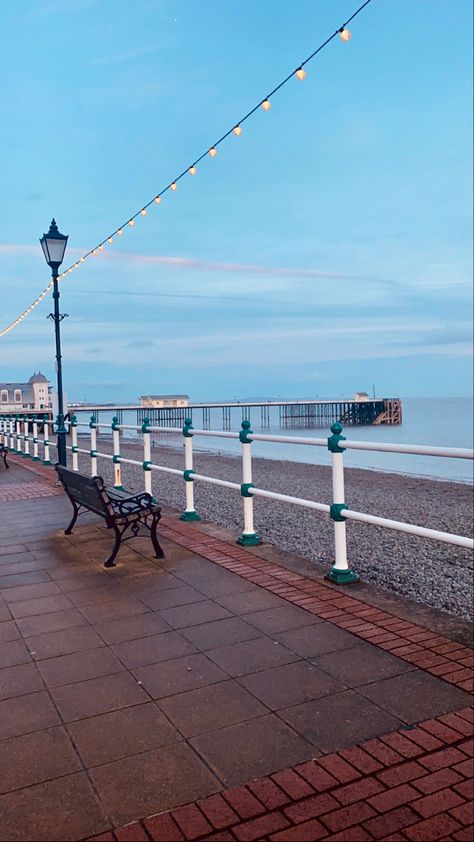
(36, 394)
(161, 401)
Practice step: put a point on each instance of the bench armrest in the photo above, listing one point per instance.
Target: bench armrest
(132, 504)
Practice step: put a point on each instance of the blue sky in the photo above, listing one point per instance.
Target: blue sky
(325, 250)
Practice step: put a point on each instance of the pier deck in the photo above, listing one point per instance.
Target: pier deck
(214, 693)
(297, 413)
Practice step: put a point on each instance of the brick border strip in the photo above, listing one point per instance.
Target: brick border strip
(433, 653)
(413, 785)
(27, 491)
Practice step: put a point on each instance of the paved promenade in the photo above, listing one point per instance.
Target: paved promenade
(213, 694)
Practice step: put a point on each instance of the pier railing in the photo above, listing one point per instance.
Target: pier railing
(18, 434)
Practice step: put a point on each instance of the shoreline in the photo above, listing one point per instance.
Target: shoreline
(435, 574)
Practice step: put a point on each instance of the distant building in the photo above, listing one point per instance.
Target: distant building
(160, 401)
(36, 394)
(361, 396)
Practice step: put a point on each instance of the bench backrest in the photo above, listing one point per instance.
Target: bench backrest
(86, 491)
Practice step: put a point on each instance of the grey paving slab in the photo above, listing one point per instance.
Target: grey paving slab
(339, 720)
(220, 633)
(290, 684)
(60, 810)
(78, 666)
(131, 628)
(194, 614)
(24, 714)
(32, 758)
(154, 781)
(151, 650)
(98, 695)
(13, 652)
(64, 642)
(212, 707)
(415, 696)
(361, 664)
(281, 618)
(18, 680)
(179, 675)
(317, 639)
(248, 750)
(251, 656)
(121, 733)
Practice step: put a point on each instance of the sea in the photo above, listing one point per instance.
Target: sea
(441, 422)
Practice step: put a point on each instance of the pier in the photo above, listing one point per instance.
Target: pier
(291, 414)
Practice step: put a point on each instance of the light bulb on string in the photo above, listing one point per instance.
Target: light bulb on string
(192, 170)
(157, 200)
(237, 130)
(101, 247)
(131, 222)
(120, 232)
(143, 211)
(345, 34)
(266, 105)
(83, 259)
(300, 74)
(174, 185)
(110, 240)
(213, 151)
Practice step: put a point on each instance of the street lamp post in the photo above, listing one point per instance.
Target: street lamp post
(54, 245)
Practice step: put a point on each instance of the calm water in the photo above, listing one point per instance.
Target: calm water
(444, 422)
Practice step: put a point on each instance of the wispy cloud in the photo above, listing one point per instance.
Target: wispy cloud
(125, 55)
(180, 262)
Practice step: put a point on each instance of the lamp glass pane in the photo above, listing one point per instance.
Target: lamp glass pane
(44, 246)
(56, 249)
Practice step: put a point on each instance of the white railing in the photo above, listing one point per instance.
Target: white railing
(18, 439)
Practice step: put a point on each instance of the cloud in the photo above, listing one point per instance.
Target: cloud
(125, 55)
(141, 343)
(180, 262)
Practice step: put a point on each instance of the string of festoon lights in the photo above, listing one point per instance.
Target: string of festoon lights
(300, 73)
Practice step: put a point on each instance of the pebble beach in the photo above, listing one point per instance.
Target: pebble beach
(436, 574)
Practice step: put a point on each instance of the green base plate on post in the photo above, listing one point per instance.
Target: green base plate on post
(252, 540)
(342, 577)
(190, 516)
(47, 462)
(35, 459)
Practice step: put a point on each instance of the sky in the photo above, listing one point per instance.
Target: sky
(327, 250)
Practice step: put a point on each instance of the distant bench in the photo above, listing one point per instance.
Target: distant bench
(119, 510)
(3, 455)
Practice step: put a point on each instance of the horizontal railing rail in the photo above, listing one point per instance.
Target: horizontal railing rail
(18, 433)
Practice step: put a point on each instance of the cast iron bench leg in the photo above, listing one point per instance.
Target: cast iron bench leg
(154, 538)
(68, 530)
(109, 562)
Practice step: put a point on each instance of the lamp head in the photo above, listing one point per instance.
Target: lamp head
(54, 245)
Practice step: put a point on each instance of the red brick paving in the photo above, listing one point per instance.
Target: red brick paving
(444, 658)
(27, 491)
(400, 799)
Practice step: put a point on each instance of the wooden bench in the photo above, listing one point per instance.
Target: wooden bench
(3, 455)
(119, 510)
